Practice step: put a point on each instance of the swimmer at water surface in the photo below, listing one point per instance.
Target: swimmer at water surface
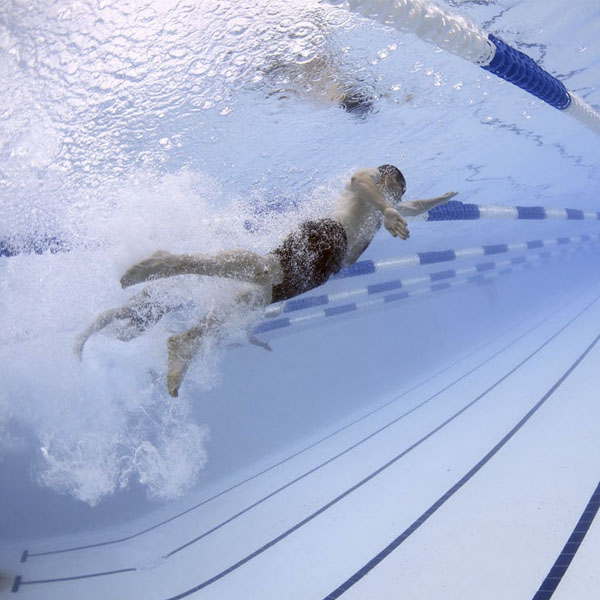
(305, 259)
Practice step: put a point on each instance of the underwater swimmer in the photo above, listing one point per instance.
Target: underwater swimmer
(322, 82)
(304, 260)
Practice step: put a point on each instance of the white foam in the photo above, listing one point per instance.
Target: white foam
(108, 421)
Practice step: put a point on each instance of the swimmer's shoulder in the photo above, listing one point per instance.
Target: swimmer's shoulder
(349, 209)
(349, 194)
(367, 173)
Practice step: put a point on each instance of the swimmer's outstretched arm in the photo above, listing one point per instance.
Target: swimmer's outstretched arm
(418, 207)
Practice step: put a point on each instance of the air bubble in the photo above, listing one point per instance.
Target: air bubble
(337, 18)
(239, 25)
(302, 30)
(179, 52)
(198, 68)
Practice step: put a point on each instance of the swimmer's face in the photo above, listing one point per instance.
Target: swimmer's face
(392, 189)
(392, 183)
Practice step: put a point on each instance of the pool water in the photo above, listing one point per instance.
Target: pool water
(191, 126)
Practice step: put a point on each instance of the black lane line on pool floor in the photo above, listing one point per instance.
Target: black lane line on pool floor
(274, 541)
(443, 499)
(18, 582)
(559, 568)
(26, 554)
(369, 477)
(359, 443)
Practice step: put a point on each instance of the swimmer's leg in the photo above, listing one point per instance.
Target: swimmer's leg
(183, 347)
(138, 314)
(234, 264)
(103, 320)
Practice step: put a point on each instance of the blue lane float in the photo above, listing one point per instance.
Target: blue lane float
(455, 210)
(459, 35)
(481, 274)
(14, 246)
(519, 69)
(451, 211)
(461, 211)
(421, 259)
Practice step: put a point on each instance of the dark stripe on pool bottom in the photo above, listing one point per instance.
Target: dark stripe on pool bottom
(309, 518)
(19, 580)
(441, 501)
(26, 553)
(298, 525)
(567, 555)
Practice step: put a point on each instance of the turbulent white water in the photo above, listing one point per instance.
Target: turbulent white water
(128, 127)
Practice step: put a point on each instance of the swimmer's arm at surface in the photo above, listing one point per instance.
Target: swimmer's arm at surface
(418, 207)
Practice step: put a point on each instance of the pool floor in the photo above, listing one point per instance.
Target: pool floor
(481, 481)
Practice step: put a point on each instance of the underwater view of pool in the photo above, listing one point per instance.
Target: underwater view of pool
(200, 126)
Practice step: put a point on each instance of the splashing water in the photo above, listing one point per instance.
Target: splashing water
(108, 123)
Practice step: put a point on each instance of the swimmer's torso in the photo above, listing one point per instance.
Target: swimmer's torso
(360, 220)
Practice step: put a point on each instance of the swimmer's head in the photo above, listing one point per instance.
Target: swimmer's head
(392, 182)
(357, 103)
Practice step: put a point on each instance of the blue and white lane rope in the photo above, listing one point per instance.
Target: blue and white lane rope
(397, 284)
(460, 211)
(451, 211)
(457, 35)
(368, 267)
(503, 267)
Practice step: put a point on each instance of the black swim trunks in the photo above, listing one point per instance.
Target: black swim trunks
(309, 256)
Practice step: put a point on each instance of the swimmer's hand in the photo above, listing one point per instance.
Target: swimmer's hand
(448, 196)
(79, 344)
(394, 222)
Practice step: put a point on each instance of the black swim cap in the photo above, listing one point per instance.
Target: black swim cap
(394, 173)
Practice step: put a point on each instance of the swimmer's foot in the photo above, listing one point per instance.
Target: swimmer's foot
(79, 344)
(181, 349)
(160, 264)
